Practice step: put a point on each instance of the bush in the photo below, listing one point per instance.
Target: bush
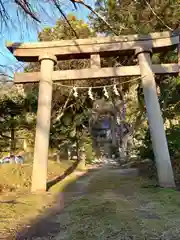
(173, 138)
(145, 150)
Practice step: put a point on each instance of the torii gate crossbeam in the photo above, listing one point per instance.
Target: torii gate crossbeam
(49, 52)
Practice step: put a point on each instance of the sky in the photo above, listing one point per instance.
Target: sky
(19, 31)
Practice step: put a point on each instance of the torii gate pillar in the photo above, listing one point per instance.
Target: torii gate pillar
(156, 125)
(39, 175)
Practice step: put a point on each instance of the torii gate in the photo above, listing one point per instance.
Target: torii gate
(95, 48)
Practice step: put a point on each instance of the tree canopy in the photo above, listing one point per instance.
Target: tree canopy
(126, 18)
(69, 114)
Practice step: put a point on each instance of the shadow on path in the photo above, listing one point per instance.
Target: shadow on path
(45, 226)
(70, 170)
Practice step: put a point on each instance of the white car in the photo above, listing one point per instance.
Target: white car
(17, 159)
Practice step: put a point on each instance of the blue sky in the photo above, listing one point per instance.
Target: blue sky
(22, 33)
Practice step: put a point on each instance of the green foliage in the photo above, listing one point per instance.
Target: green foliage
(69, 114)
(145, 150)
(173, 136)
(124, 16)
(14, 108)
(170, 97)
(62, 31)
(70, 117)
(173, 139)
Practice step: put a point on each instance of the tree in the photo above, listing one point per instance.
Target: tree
(41, 10)
(14, 110)
(69, 114)
(125, 18)
(170, 104)
(31, 9)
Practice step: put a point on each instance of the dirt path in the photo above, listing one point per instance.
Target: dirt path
(46, 226)
(105, 204)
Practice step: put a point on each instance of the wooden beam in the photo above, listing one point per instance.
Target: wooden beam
(84, 47)
(96, 73)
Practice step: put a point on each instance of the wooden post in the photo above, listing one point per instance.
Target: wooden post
(39, 175)
(178, 50)
(159, 142)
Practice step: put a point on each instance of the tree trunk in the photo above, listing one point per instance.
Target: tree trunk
(113, 131)
(80, 154)
(12, 144)
(82, 163)
(123, 148)
(122, 155)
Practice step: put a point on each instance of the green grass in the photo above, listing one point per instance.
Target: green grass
(117, 207)
(18, 205)
(16, 177)
(112, 207)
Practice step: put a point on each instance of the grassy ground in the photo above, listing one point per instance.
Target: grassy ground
(115, 207)
(104, 205)
(18, 205)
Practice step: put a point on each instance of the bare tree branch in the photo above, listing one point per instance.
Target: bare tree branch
(63, 107)
(63, 14)
(3, 13)
(4, 136)
(97, 14)
(27, 9)
(152, 10)
(73, 2)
